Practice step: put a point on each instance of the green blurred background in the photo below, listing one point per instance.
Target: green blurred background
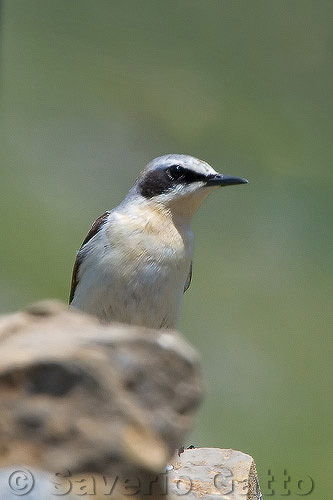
(91, 90)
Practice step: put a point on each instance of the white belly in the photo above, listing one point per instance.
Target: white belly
(134, 278)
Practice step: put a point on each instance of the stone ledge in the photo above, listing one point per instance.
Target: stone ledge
(110, 404)
(88, 397)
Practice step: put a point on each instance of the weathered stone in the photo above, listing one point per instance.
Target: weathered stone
(98, 410)
(79, 395)
(213, 473)
(209, 473)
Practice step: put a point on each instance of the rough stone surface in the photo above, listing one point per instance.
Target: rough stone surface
(209, 473)
(79, 395)
(213, 473)
(98, 410)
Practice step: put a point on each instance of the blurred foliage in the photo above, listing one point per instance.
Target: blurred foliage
(91, 90)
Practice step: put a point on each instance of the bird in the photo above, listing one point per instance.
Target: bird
(135, 263)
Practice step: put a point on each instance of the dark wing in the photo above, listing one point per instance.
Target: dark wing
(189, 278)
(93, 230)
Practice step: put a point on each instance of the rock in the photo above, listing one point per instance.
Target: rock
(98, 410)
(213, 473)
(79, 395)
(209, 473)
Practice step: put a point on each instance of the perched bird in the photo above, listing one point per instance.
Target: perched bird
(136, 261)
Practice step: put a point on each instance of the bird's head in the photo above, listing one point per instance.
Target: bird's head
(180, 183)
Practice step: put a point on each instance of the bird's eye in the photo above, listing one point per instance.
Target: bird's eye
(176, 171)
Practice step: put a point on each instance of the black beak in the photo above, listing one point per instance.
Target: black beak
(224, 180)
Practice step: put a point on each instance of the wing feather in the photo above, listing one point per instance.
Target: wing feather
(93, 231)
(189, 278)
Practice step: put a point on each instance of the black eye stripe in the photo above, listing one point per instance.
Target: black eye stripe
(175, 171)
(155, 183)
(163, 180)
(185, 175)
